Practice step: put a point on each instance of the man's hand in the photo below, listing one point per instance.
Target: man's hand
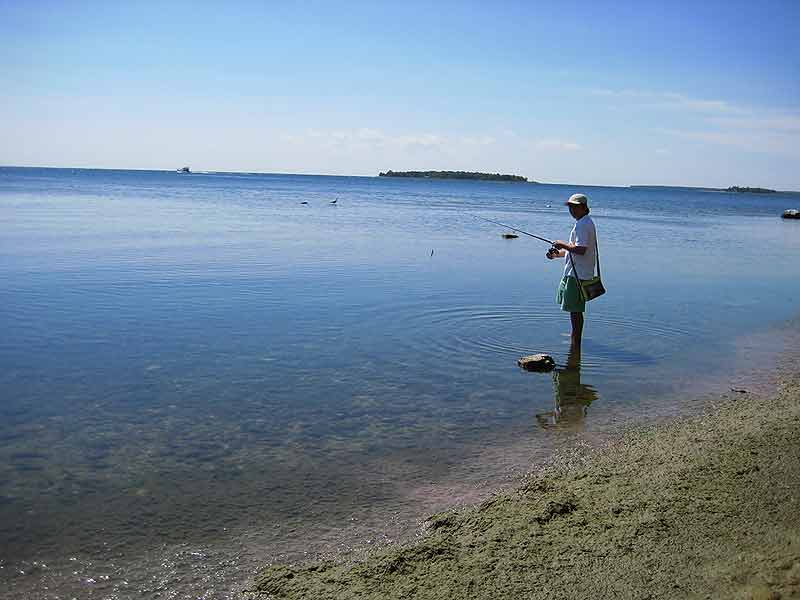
(573, 248)
(553, 253)
(561, 245)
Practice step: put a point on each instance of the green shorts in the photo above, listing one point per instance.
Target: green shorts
(569, 296)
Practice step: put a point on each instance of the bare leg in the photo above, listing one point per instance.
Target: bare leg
(577, 328)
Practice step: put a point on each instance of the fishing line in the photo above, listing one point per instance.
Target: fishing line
(514, 229)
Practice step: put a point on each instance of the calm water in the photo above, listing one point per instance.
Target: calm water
(198, 373)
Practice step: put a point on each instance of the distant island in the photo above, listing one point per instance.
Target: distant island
(455, 175)
(750, 190)
(733, 188)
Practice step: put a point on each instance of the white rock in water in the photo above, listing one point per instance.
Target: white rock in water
(537, 362)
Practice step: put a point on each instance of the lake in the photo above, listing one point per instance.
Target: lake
(202, 373)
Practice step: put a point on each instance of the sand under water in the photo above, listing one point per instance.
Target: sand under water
(705, 506)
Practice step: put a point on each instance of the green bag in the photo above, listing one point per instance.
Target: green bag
(590, 288)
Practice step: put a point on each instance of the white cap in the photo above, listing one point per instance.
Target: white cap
(579, 199)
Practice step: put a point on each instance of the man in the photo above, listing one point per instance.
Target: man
(580, 253)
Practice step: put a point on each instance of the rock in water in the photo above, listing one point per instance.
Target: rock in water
(510, 236)
(792, 213)
(537, 362)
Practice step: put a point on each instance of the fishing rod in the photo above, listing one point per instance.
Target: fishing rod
(515, 229)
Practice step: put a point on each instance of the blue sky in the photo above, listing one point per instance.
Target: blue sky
(581, 92)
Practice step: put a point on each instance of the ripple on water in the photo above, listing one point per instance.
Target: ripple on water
(478, 332)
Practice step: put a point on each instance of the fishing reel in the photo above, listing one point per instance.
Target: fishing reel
(553, 252)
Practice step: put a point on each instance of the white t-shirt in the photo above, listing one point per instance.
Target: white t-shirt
(582, 234)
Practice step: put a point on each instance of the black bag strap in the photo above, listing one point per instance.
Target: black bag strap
(596, 252)
(578, 279)
(574, 270)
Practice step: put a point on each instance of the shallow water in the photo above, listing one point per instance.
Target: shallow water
(200, 373)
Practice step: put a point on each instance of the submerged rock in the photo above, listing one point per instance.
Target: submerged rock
(537, 362)
(792, 213)
(510, 236)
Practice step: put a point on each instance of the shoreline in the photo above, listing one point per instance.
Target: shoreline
(633, 519)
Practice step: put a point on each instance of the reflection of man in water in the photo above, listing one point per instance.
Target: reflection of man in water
(572, 398)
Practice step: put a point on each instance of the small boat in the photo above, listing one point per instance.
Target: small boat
(184, 170)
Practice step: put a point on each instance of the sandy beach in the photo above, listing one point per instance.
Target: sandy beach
(701, 507)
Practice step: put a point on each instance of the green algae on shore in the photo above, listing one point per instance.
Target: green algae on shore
(705, 507)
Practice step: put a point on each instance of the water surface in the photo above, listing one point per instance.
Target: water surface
(200, 372)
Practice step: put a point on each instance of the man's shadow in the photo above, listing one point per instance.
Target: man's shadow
(571, 397)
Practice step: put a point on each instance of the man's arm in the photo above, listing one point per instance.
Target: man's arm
(574, 248)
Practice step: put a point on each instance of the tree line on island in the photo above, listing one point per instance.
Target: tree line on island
(518, 178)
(750, 190)
(454, 175)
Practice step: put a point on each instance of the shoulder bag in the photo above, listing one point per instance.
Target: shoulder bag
(590, 288)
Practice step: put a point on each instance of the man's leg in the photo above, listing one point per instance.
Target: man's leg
(577, 327)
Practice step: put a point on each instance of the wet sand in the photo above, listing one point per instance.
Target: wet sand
(700, 507)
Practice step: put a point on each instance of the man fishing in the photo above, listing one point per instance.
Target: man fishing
(581, 254)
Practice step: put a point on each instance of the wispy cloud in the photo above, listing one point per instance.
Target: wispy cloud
(785, 123)
(378, 140)
(485, 140)
(364, 138)
(750, 140)
(670, 100)
(721, 122)
(424, 141)
(557, 145)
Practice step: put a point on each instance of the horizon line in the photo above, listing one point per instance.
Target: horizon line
(531, 182)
